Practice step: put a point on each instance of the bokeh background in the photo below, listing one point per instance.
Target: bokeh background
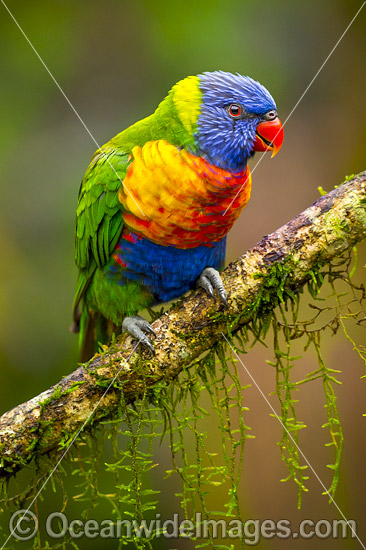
(116, 60)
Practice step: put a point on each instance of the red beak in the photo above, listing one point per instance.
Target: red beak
(269, 136)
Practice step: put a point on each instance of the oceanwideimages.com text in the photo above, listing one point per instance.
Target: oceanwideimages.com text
(24, 525)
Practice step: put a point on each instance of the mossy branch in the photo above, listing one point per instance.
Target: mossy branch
(277, 267)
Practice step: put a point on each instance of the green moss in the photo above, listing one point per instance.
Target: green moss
(58, 393)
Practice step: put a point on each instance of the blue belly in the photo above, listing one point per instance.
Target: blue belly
(166, 272)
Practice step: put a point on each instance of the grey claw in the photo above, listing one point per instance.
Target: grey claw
(146, 342)
(223, 298)
(135, 326)
(210, 291)
(204, 283)
(150, 329)
(209, 280)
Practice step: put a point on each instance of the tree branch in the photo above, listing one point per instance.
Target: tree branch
(331, 226)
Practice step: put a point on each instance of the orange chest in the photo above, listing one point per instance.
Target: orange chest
(174, 198)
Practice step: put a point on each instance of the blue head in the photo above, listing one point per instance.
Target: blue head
(232, 107)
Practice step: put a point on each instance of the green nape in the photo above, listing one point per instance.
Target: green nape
(175, 120)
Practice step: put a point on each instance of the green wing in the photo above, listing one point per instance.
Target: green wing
(99, 216)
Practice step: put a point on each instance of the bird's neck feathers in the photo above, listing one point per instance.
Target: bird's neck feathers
(175, 119)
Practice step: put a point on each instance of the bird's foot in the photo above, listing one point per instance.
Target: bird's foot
(210, 280)
(136, 326)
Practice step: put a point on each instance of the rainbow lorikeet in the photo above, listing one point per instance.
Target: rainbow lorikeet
(158, 200)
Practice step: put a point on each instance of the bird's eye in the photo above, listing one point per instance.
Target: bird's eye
(271, 115)
(235, 110)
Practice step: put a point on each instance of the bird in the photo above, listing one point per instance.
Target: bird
(157, 201)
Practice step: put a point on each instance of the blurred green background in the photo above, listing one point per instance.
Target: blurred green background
(116, 60)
